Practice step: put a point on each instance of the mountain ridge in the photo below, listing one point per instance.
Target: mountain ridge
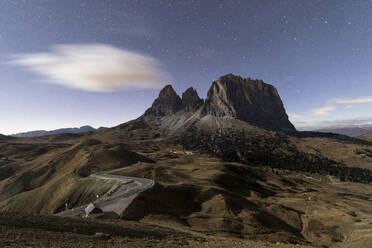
(74, 130)
(352, 131)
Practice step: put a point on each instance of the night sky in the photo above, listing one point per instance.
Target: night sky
(71, 63)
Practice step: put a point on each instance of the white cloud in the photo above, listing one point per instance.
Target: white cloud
(294, 116)
(323, 111)
(367, 99)
(95, 67)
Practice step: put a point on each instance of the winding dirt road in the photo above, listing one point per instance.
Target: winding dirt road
(118, 201)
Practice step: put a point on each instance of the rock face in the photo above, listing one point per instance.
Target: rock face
(191, 101)
(167, 103)
(230, 97)
(252, 101)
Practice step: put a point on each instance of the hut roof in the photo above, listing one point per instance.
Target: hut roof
(93, 209)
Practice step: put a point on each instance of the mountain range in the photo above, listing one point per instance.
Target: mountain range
(38, 133)
(352, 131)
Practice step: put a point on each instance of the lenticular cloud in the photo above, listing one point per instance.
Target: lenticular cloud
(94, 67)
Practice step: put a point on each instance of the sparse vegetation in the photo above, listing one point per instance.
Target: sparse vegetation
(334, 136)
(207, 195)
(233, 144)
(365, 152)
(367, 137)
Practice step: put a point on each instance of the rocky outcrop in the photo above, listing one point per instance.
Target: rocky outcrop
(191, 100)
(167, 103)
(252, 101)
(229, 98)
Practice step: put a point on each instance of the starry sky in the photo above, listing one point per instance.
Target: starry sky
(61, 61)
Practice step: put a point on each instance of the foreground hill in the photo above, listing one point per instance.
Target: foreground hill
(20, 230)
(41, 178)
(207, 195)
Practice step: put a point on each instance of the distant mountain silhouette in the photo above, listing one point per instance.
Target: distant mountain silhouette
(37, 133)
(352, 131)
(5, 138)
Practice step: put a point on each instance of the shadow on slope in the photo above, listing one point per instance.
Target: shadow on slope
(211, 196)
(338, 137)
(57, 176)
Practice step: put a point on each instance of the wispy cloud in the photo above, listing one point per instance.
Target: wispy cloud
(95, 67)
(294, 116)
(367, 99)
(323, 111)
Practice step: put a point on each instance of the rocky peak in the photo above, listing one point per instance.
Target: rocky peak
(168, 92)
(234, 97)
(191, 100)
(252, 101)
(167, 103)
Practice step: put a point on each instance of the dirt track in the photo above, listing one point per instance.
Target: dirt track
(114, 203)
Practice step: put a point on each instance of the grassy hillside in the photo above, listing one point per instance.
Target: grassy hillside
(367, 137)
(20, 230)
(49, 175)
(327, 156)
(265, 197)
(207, 195)
(342, 152)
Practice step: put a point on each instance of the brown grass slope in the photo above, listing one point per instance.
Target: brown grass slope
(43, 177)
(197, 193)
(138, 135)
(207, 195)
(352, 154)
(20, 230)
(367, 137)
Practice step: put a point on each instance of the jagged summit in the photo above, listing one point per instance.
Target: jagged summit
(191, 100)
(167, 103)
(168, 92)
(229, 98)
(252, 101)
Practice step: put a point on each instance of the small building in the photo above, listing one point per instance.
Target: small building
(190, 153)
(93, 210)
